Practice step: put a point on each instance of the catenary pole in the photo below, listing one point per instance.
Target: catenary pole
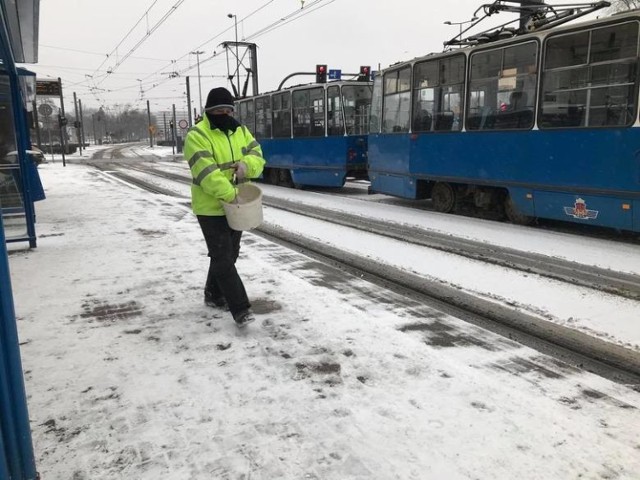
(77, 123)
(149, 124)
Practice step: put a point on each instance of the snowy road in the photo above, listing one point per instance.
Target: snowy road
(571, 307)
(130, 376)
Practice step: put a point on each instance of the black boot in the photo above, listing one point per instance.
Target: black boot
(211, 301)
(243, 318)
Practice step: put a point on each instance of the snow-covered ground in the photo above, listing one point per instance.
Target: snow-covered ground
(608, 317)
(130, 376)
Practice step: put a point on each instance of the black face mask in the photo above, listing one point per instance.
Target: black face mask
(226, 123)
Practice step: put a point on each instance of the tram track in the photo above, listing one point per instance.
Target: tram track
(567, 344)
(599, 279)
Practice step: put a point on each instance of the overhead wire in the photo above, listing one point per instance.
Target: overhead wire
(287, 19)
(149, 33)
(127, 35)
(100, 54)
(206, 42)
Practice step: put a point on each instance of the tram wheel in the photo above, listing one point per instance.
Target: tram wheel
(272, 176)
(284, 178)
(444, 197)
(513, 214)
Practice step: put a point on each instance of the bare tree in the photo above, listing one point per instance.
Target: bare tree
(622, 5)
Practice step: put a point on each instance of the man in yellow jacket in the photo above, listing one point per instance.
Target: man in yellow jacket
(217, 148)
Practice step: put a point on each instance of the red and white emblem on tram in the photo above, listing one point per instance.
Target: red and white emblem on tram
(580, 211)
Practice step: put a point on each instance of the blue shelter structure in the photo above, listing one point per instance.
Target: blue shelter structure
(18, 176)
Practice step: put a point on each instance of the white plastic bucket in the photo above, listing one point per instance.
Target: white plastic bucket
(245, 212)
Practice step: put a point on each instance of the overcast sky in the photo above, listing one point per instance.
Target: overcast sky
(76, 37)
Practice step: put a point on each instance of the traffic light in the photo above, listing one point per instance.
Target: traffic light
(321, 74)
(171, 124)
(365, 73)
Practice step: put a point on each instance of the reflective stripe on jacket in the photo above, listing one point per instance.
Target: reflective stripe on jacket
(211, 155)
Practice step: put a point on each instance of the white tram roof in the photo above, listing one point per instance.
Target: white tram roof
(539, 35)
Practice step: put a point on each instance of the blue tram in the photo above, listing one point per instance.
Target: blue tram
(311, 135)
(543, 124)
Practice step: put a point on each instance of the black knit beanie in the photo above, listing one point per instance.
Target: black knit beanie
(219, 98)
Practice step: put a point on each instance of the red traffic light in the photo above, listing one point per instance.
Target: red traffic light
(365, 73)
(321, 74)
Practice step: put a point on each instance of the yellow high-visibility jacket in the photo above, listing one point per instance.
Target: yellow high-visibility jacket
(212, 155)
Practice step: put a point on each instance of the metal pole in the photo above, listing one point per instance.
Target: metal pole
(17, 447)
(174, 137)
(189, 102)
(14, 417)
(164, 118)
(254, 67)
(197, 54)
(36, 120)
(63, 139)
(199, 83)
(50, 142)
(81, 122)
(77, 124)
(149, 122)
(14, 414)
(235, 17)
(93, 121)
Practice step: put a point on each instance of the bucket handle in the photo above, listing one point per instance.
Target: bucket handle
(234, 182)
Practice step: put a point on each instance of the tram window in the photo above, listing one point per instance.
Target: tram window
(356, 101)
(282, 115)
(610, 74)
(438, 90)
(598, 92)
(247, 114)
(263, 117)
(240, 112)
(614, 43)
(397, 101)
(567, 50)
(503, 98)
(376, 105)
(335, 124)
(308, 112)
(317, 113)
(486, 64)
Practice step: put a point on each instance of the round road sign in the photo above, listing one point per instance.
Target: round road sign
(183, 124)
(45, 109)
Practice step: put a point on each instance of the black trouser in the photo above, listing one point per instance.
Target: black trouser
(224, 247)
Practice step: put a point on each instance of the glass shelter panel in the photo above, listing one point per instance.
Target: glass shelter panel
(600, 90)
(11, 195)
